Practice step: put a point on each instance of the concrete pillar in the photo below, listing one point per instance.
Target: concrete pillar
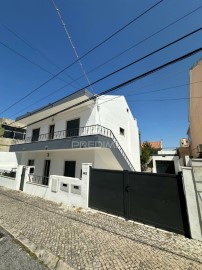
(86, 179)
(193, 210)
(18, 176)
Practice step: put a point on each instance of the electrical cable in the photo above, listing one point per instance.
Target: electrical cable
(30, 61)
(126, 66)
(72, 44)
(31, 46)
(84, 55)
(130, 90)
(151, 71)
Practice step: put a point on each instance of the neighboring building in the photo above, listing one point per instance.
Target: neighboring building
(184, 142)
(166, 161)
(195, 110)
(10, 131)
(184, 151)
(157, 146)
(58, 141)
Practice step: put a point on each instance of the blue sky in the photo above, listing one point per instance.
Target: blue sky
(90, 22)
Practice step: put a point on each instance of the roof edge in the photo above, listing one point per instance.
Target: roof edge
(70, 97)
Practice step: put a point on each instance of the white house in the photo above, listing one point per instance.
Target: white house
(60, 137)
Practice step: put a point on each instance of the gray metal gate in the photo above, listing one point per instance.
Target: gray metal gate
(154, 199)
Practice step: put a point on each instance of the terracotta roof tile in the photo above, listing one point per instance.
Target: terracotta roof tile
(156, 145)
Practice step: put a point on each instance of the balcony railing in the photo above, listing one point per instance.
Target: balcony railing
(15, 135)
(40, 180)
(79, 132)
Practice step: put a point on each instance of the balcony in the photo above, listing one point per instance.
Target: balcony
(77, 132)
(83, 137)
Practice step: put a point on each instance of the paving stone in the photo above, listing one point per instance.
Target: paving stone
(92, 240)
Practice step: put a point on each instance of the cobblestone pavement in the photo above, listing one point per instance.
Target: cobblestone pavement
(14, 256)
(92, 240)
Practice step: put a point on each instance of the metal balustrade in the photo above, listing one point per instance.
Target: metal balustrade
(37, 179)
(15, 135)
(79, 132)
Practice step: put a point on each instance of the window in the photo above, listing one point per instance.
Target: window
(70, 167)
(35, 134)
(30, 162)
(72, 128)
(122, 131)
(51, 132)
(46, 172)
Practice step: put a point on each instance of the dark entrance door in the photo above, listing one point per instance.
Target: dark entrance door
(150, 198)
(70, 167)
(72, 128)
(51, 132)
(22, 178)
(165, 166)
(46, 172)
(35, 134)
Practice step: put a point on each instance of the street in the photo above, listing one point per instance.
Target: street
(14, 256)
(92, 240)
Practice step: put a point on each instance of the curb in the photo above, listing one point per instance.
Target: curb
(46, 257)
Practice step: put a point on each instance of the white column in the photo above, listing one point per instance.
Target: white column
(86, 179)
(192, 203)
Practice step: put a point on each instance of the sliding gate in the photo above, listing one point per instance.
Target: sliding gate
(150, 198)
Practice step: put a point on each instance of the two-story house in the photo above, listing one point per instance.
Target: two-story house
(62, 136)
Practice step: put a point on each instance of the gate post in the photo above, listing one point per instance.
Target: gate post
(86, 179)
(18, 176)
(192, 203)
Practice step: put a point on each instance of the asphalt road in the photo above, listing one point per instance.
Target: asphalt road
(13, 256)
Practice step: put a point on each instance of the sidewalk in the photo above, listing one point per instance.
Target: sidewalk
(14, 256)
(90, 240)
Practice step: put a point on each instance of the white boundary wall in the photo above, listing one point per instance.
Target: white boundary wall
(192, 182)
(61, 189)
(9, 182)
(67, 190)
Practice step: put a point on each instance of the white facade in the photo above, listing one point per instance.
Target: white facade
(110, 114)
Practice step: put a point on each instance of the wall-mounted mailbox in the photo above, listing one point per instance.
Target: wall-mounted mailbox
(64, 187)
(76, 189)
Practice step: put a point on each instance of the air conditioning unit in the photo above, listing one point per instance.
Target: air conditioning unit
(199, 148)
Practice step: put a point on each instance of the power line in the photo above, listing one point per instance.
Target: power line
(58, 89)
(148, 92)
(36, 50)
(145, 39)
(84, 55)
(122, 84)
(165, 99)
(172, 23)
(162, 89)
(30, 61)
(124, 67)
(135, 45)
(71, 42)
